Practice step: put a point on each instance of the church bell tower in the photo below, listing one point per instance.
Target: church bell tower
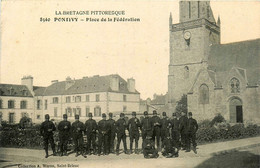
(190, 42)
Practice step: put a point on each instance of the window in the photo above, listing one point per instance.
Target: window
(69, 111)
(68, 100)
(45, 104)
(87, 111)
(55, 100)
(1, 104)
(24, 92)
(38, 117)
(74, 111)
(55, 111)
(234, 85)
(204, 94)
(186, 72)
(87, 98)
(24, 114)
(38, 104)
(11, 118)
(124, 108)
(97, 98)
(11, 91)
(79, 111)
(10, 104)
(78, 99)
(124, 98)
(97, 111)
(23, 104)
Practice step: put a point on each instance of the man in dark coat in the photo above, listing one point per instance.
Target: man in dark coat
(91, 128)
(78, 129)
(64, 134)
(183, 129)
(169, 150)
(165, 127)
(103, 129)
(147, 127)
(133, 127)
(121, 127)
(192, 129)
(149, 148)
(157, 128)
(112, 133)
(176, 131)
(46, 130)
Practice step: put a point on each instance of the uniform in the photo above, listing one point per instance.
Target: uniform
(176, 133)
(133, 127)
(165, 126)
(64, 134)
(112, 133)
(191, 136)
(147, 127)
(46, 130)
(169, 150)
(77, 133)
(149, 150)
(103, 129)
(121, 127)
(183, 130)
(157, 128)
(91, 128)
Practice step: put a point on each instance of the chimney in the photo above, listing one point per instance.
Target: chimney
(114, 83)
(28, 81)
(69, 83)
(54, 81)
(131, 85)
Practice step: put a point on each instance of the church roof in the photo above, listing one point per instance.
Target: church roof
(13, 90)
(86, 85)
(244, 55)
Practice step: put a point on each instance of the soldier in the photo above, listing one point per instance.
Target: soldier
(103, 129)
(149, 148)
(121, 127)
(192, 129)
(157, 128)
(175, 131)
(112, 133)
(64, 134)
(166, 125)
(91, 128)
(46, 130)
(169, 150)
(147, 127)
(183, 129)
(77, 133)
(134, 134)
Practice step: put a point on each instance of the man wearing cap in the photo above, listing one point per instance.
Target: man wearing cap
(103, 129)
(133, 127)
(112, 133)
(175, 131)
(147, 127)
(91, 128)
(46, 130)
(121, 127)
(64, 134)
(183, 129)
(166, 126)
(157, 128)
(77, 132)
(192, 129)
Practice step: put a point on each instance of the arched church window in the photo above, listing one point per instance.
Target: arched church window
(204, 94)
(234, 85)
(186, 72)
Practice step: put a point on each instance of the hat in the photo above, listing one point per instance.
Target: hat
(145, 113)
(190, 113)
(122, 114)
(154, 112)
(173, 114)
(134, 113)
(164, 113)
(110, 114)
(65, 116)
(104, 115)
(47, 116)
(90, 115)
(76, 116)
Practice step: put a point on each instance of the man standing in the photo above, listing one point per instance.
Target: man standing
(183, 129)
(176, 131)
(103, 129)
(147, 127)
(91, 128)
(134, 134)
(46, 130)
(192, 129)
(64, 134)
(157, 128)
(166, 126)
(77, 132)
(121, 127)
(112, 133)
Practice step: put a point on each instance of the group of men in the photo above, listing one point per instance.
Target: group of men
(166, 132)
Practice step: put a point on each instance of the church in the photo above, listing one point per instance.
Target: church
(217, 78)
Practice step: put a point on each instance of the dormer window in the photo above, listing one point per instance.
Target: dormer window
(11, 91)
(24, 92)
(234, 85)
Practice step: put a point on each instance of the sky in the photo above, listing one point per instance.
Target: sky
(54, 50)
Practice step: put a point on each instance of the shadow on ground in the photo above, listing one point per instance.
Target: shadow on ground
(235, 159)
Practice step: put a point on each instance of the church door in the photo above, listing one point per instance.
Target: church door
(236, 110)
(239, 112)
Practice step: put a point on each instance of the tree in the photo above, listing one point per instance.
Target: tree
(181, 105)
